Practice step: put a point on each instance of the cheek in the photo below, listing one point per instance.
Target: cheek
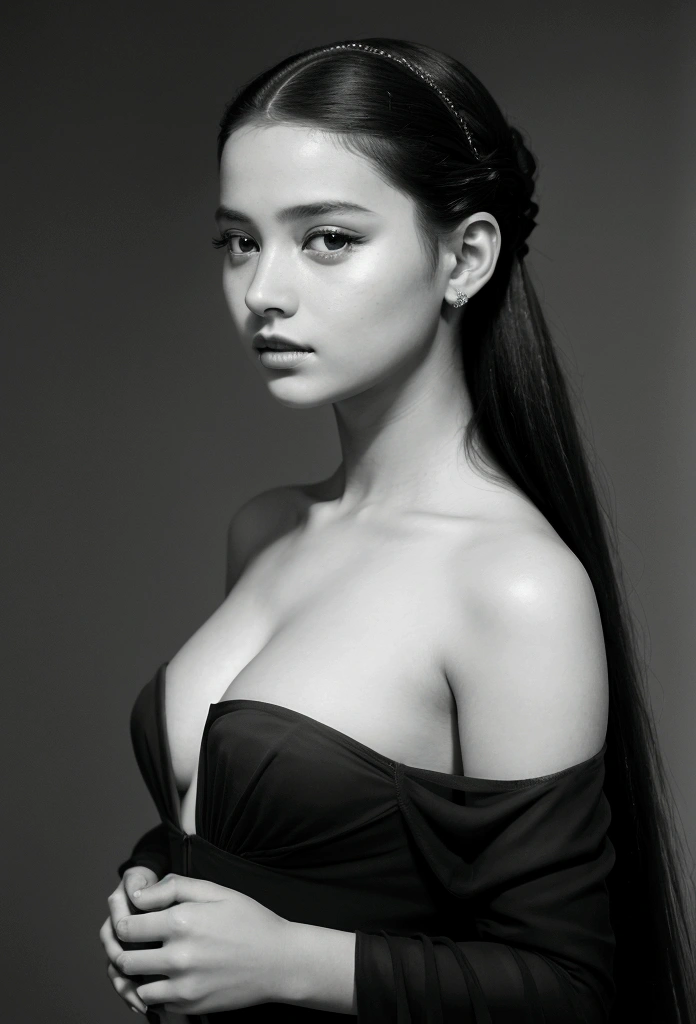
(234, 292)
(385, 308)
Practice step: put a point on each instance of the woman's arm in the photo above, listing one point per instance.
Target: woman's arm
(529, 865)
(319, 968)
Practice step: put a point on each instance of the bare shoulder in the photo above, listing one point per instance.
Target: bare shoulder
(256, 523)
(526, 659)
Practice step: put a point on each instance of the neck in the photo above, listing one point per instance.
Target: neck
(402, 443)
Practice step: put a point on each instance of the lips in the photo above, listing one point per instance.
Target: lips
(278, 344)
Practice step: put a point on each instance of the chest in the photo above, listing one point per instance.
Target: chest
(349, 638)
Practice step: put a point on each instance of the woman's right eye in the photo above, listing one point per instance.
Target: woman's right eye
(243, 240)
(226, 240)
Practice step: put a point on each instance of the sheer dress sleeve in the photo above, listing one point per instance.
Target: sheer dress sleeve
(523, 865)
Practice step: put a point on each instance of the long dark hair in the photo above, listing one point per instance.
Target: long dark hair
(522, 415)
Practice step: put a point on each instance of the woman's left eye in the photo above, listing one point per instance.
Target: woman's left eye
(337, 242)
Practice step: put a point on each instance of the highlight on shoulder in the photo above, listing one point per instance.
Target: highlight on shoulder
(526, 660)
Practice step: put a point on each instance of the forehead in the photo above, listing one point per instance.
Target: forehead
(275, 166)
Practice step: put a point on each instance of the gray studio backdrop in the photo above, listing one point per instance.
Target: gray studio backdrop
(134, 426)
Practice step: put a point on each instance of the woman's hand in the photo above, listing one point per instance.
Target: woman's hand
(120, 908)
(221, 950)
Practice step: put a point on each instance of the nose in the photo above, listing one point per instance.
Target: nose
(271, 288)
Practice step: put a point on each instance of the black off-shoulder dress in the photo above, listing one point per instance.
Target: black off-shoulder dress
(474, 901)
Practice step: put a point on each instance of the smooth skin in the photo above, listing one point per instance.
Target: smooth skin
(520, 638)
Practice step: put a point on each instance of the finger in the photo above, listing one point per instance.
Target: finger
(112, 946)
(118, 904)
(126, 988)
(138, 878)
(178, 889)
(144, 961)
(153, 993)
(154, 926)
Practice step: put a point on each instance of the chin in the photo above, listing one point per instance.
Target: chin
(291, 394)
(296, 394)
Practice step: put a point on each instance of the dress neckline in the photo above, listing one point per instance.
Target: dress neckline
(449, 780)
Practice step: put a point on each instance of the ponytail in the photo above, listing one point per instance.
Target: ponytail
(523, 416)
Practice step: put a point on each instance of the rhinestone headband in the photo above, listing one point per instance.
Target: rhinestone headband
(416, 71)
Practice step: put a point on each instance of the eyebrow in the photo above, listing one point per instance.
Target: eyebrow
(300, 212)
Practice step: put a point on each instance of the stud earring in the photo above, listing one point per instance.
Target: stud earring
(462, 297)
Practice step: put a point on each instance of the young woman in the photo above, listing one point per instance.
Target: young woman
(407, 769)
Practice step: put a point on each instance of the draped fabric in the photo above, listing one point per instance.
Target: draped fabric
(478, 901)
(151, 851)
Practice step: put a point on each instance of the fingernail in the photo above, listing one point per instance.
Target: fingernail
(136, 1010)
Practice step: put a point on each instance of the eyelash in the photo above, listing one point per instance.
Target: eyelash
(224, 240)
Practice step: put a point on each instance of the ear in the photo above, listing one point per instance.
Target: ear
(475, 245)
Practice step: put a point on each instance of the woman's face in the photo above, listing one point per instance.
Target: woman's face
(353, 285)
